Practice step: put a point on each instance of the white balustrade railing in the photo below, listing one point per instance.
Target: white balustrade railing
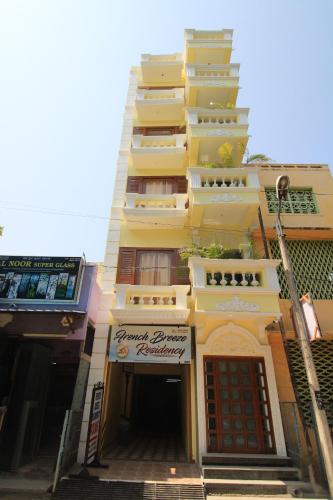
(232, 278)
(173, 296)
(155, 95)
(220, 178)
(217, 118)
(212, 73)
(222, 181)
(206, 36)
(161, 58)
(159, 141)
(156, 201)
(234, 273)
(208, 71)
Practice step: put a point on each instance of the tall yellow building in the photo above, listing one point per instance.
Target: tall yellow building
(188, 345)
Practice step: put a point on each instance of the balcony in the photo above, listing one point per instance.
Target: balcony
(162, 69)
(207, 84)
(151, 304)
(208, 47)
(155, 105)
(158, 151)
(216, 134)
(235, 288)
(143, 211)
(223, 196)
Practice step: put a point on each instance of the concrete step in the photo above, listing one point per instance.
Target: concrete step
(240, 497)
(246, 459)
(79, 489)
(245, 487)
(250, 472)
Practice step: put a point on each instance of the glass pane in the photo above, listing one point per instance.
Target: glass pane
(234, 380)
(246, 380)
(212, 440)
(251, 425)
(224, 395)
(244, 367)
(240, 441)
(224, 380)
(210, 394)
(209, 379)
(225, 409)
(211, 423)
(247, 395)
(238, 424)
(252, 441)
(209, 366)
(226, 424)
(233, 366)
(211, 408)
(249, 409)
(222, 366)
(227, 440)
(236, 409)
(235, 394)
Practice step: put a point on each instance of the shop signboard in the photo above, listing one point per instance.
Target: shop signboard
(94, 423)
(150, 344)
(39, 279)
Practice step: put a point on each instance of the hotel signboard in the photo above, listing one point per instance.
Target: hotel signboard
(150, 344)
(42, 279)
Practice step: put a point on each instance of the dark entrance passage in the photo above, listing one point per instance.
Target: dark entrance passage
(36, 389)
(154, 426)
(157, 404)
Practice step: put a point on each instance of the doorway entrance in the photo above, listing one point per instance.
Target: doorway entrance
(238, 414)
(157, 404)
(154, 422)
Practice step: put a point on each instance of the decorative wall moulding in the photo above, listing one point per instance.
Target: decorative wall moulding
(225, 198)
(237, 305)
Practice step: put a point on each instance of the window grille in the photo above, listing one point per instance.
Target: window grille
(313, 266)
(300, 201)
(322, 351)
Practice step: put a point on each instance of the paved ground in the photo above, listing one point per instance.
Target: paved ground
(170, 472)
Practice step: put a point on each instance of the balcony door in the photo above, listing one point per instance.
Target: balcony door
(154, 267)
(238, 415)
(158, 186)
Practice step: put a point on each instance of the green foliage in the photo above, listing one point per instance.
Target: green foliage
(225, 153)
(257, 158)
(212, 251)
(219, 105)
(212, 165)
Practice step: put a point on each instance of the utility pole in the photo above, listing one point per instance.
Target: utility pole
(319, 414)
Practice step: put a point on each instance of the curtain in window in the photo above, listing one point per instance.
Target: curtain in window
(155, 268)
(158, 186)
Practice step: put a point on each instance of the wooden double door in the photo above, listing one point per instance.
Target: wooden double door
(238, 414)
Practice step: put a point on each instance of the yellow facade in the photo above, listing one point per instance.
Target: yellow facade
(182, 120)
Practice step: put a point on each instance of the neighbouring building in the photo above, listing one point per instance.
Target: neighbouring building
(48, 308)
(189, 348)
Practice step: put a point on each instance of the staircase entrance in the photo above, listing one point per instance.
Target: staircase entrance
(238, 414)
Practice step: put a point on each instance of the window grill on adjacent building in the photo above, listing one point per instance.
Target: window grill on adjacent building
(313, 266)
(322, 351)
(300, 201)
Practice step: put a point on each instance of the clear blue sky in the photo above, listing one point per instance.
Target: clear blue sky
(63, 81)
